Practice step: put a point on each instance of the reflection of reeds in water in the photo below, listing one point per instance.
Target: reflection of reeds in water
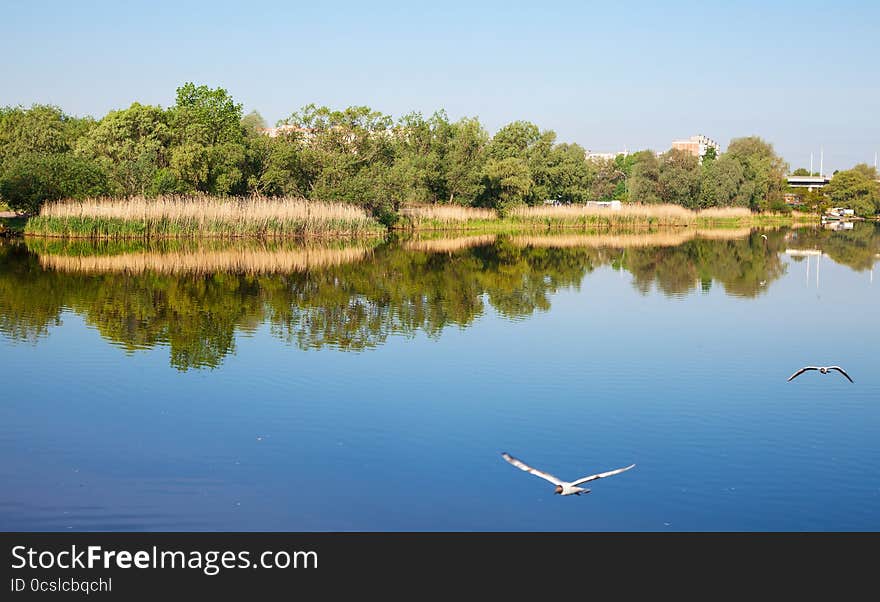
(664, 238)
(450, 245)
(656, 239)
(243, 260)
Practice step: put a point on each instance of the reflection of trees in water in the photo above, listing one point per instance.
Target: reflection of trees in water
(741, 266)
(857, 248)
(358, 304)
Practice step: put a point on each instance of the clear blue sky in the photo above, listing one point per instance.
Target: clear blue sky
(801, 74)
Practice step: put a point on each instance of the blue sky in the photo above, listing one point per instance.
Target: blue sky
(802, 74)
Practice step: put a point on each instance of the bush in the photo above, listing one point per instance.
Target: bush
(29, 180)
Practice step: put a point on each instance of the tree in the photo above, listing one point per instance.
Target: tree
(644, 180)
(507, 182)
(513, 140)
(608, 179)
(30, 179)
(680, 176)
(39, 129)
(569, 175)
(867, 171)
(36, 163)
(208, 153)
(855, 189)
(253, 122)
(722, 183)
(764, 172)
(463, 159)
(710, 155)
(131, 145)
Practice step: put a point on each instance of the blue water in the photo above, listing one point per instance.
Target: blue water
(103, 431)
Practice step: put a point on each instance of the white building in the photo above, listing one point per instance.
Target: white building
(594, 156)
(696, 145)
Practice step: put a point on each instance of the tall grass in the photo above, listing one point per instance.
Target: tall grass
(586, 216)
(627, 215)
(165, 217)
(445, 217)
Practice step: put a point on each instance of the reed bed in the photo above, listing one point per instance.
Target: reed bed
(253, 261)
(440, 217)
(627, 215)
(586, 216)
(171, 217)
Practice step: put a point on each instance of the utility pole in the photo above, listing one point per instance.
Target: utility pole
(811, 163)
(821, 162)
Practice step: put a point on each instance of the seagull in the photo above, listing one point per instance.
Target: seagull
(822, 369)
(764, 236)
(563, 487)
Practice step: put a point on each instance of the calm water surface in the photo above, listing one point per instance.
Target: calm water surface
(373, 387)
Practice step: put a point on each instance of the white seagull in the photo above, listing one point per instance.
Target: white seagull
(563, 487)
(822, 369)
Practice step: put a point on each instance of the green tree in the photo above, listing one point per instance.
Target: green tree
(30, 179)
(208, 151)
(569, 175)
(253, 122)
(855, 189)
(507, 183)
(644, 179)
(764, 172)
(679, 180)
(722, 183)
(710, 155)
(131, 145)
(39, 129)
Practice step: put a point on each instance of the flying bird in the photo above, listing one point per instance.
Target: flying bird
(822, 369)
(563, 487)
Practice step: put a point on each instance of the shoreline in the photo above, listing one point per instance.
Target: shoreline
(296, 219)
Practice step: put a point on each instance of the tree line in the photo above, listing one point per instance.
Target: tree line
(204, 144)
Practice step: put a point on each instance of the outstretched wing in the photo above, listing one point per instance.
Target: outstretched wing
(842, 371)
(801, 371)
(602, 475)
(529, 469)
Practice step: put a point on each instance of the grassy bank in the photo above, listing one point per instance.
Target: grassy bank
(180, 217)
(260, 217)
(589, 217)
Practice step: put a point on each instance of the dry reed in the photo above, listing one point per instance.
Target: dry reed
(444, 215)
(201, 216)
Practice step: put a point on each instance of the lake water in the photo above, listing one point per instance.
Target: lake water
(374, 386)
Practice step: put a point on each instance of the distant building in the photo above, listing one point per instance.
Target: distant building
(613, 205)
(286, 129)
(696, 145)
(593, 156)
